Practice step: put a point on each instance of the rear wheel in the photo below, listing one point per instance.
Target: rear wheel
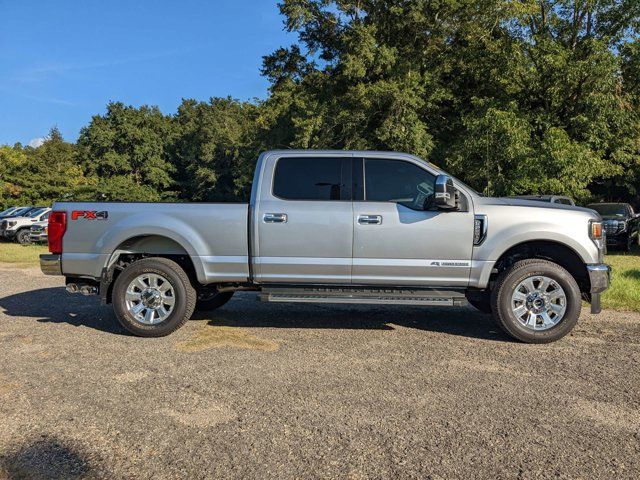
(153, 297)
(23, 237)
(536, 301)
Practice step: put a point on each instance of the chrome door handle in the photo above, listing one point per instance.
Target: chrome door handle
(275, 218)
(370, 219)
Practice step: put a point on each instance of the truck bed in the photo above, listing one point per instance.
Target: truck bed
(214, 235)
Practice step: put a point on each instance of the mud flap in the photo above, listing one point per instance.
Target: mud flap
(595, 303)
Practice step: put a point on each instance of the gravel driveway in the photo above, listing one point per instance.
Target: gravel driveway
(296, 391)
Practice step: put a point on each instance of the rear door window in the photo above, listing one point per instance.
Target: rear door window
(327, 179)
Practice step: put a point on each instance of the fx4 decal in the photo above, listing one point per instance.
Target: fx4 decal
(89, 215)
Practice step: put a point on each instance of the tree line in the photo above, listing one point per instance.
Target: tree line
(514, 97)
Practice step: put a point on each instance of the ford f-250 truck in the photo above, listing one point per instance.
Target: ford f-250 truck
(337, 227)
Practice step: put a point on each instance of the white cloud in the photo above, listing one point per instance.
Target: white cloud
(36, 142)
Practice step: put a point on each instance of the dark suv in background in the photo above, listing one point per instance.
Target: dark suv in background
(621, 223)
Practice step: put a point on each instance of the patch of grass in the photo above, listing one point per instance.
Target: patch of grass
(21, 255)
(624, 293)
(211, 336)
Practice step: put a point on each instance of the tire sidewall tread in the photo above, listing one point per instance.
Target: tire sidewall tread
(510, 278)
(23, 233)
(179, 280)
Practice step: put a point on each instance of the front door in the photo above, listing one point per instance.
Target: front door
(305, 221)
(399, 238)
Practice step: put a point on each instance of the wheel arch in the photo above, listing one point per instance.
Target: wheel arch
(551, 250)
(165, 235)
(147, 246)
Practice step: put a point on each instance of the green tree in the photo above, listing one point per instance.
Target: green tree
(12, 164)
(216, 150)
(126, 151)
(526, 95)
(41, 175)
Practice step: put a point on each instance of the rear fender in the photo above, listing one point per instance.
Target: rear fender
(162, 226)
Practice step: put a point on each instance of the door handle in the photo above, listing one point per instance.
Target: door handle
(370, 219)
(275, 218)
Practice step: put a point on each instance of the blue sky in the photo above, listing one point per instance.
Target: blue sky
(62, 61)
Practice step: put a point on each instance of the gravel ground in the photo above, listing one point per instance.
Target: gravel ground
(258, 390)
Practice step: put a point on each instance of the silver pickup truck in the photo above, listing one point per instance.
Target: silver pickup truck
(337, 227)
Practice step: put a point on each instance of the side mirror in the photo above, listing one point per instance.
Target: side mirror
(445, 195)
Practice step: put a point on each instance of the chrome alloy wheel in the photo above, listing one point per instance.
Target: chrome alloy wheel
(150, 298)
(539, 303)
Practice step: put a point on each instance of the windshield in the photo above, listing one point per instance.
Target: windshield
(35, 213)
(609, 209)
(20, 212)
(7, 211)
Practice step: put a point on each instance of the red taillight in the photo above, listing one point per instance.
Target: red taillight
(57, 227)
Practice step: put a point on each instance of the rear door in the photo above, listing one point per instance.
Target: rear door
(399, 238)
(304, 220)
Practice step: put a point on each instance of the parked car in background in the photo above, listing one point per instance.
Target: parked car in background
(9, 211)
(561, 199)
(38, 232)
(14, 212)
(19, 228)
(620, 222)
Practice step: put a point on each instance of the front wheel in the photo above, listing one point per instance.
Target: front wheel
(23, 237)
(153, 297)
(536, 301)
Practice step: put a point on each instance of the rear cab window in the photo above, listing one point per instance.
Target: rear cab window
(313, 179)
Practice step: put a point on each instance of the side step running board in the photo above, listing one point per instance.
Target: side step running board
(363, 296)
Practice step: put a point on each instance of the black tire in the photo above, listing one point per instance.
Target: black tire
(508, 281)
(185, 297)
(212, 300)
(22, 237)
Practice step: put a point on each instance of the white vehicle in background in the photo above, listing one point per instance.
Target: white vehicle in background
(19, 228)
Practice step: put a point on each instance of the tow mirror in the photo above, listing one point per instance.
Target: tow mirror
(446, 197)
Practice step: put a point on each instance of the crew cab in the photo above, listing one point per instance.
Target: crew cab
(621, 224)
(337, 227)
